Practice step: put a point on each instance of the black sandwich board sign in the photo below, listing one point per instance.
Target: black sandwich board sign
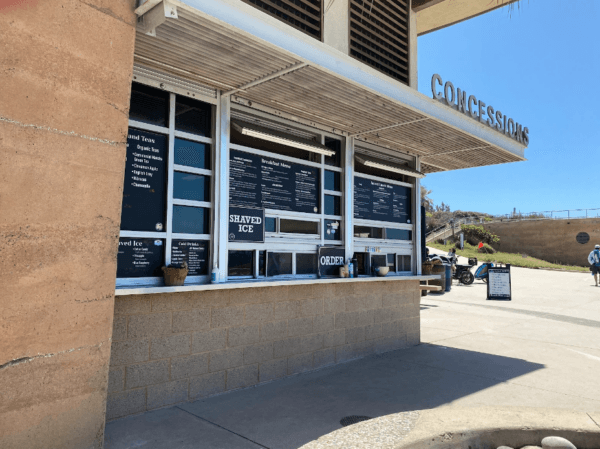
(498, 286)
(330, 260)
(246, 225)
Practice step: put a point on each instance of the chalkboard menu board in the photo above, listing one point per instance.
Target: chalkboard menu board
(140, 257)
(145, 189)
(193, 252)
(498, 286)
(376, 200)
(267, 183)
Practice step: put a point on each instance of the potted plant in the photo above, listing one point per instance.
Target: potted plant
(175, 274)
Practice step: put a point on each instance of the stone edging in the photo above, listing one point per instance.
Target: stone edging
(462, 428)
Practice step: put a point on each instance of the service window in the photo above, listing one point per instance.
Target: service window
(294, 174)
(383, 212)
(167, 190)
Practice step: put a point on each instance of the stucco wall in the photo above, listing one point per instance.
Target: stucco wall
(170, 348)
(551, 240)
(65, 72)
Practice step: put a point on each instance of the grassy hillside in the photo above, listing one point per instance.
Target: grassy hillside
(516, 260)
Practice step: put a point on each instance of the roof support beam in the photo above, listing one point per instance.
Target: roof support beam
(153, 14)
(395, 125)
(266, 78)
(454, 151)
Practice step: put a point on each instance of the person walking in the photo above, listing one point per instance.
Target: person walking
(594, 260)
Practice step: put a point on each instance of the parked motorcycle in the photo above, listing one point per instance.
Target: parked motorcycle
(462, 273)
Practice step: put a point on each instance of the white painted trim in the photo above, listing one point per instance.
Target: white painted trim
(147, 127)
(193, 137)
(171, 163)
(383, 224)
(191, 203)
(268, 154)
(143, 234)
(193, 170)
(386, 180)
(222, 171)
(181, 236)
(348, 188)
(417, 262)
(260, 283)
(160, 80)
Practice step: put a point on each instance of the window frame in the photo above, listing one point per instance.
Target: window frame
(385, 246)
(168, 235)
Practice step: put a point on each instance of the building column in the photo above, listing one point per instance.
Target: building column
(349, 197)
(221, 176)
(336, 24)
(417, 234)
(413, 76)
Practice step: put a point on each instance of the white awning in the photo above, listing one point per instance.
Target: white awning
(230, 46)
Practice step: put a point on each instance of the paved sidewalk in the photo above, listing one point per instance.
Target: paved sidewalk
(540, 350)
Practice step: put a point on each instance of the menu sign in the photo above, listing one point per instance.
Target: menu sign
(330, 260)
(498, 286)
(193, 252)
(144, 189)
(140, 257)
(246, 225)
(376, 200)
(267, 183)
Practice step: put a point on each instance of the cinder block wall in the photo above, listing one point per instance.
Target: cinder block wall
(170, 348)
(65, 82)
(551, 240)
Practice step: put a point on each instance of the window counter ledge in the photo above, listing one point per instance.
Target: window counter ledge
(141, 290)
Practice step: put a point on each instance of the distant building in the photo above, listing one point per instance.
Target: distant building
(262, 143)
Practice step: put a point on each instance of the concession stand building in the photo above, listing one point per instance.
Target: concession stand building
(262, 142)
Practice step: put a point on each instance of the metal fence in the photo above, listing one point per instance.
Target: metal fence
(551, 215)
(445, 231)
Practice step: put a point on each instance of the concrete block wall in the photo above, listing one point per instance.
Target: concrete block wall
(176, 347)
(551, 240)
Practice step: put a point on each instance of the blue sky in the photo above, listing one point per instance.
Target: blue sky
(540, 65)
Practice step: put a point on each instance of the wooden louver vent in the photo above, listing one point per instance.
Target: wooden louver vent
(379, 35)
(304, 15)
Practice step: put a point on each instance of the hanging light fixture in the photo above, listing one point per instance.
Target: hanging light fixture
(274, 136)
(401, 170)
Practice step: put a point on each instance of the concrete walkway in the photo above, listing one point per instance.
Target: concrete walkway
(542, 349)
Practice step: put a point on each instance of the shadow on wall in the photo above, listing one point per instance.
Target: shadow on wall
(293, 411)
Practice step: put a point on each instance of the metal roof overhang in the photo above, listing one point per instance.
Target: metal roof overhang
(235, 48)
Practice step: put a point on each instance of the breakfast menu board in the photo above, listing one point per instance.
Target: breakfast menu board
(498, 286)
(269, 183)
(381, 201)
(145, 188)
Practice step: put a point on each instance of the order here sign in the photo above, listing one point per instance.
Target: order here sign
(246, 225)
